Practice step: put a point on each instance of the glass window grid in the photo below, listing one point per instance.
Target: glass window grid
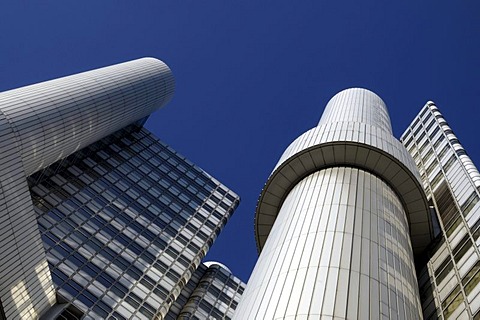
(217, 297)
(437, 143)
(92, 227)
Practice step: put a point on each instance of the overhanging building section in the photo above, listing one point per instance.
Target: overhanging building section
(53, 119)
(98, 217)
(362, 139)
(41, 124)
(339, 221)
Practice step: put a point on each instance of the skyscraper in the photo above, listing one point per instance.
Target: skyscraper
(99, 218)
(339, 221)
(449, 275)
(212, 293)
(349, 225)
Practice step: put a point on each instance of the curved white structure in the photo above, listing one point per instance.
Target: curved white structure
(337, 220)
(53, 119)
(216, 263)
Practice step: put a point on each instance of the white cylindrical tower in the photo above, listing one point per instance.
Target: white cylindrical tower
(53, 119)
(339, 221)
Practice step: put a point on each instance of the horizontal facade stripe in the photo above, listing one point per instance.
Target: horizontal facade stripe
(104, 100)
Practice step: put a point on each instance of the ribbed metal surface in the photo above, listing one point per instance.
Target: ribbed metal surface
(343, 140)
(46, 122)
(339, 248)
(338, 221)
(357, 105)
(26, 288)
(53, 119)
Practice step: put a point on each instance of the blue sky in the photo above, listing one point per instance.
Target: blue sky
(253, 75)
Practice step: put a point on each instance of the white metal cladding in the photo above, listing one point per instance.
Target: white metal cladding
(357, 105)
(340, 248)
(26, 288)
(53, 119)
(359, 136)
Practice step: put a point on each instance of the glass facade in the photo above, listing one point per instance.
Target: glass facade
(125, 223)
(99, 218)
(216, 296)
(187, 291)
(449, 280)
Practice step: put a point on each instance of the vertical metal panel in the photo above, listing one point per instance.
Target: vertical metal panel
(360, 227)
(344, 290)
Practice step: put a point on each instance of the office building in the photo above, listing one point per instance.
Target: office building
(449, 276)
(349, 226)
(212, 293)
(99, 219)
(339, 222)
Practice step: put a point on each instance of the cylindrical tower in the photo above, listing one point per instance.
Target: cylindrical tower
(339, 221)
(53, 119)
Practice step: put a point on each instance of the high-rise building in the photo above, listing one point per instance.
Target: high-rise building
(348, 226)
(212, 293)
(449, 274)
(339, 222)
(99, 218)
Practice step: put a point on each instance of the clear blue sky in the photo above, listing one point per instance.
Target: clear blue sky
(253, 75)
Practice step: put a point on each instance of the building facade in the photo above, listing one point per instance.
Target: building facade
(214, 294)
(349, 226)
(449, 277)
(100, 218)
(339, 222)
